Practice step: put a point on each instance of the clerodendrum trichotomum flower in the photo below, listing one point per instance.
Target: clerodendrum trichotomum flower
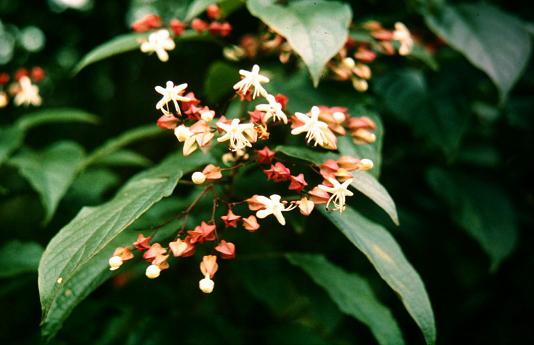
(159, 42)
(240, 135)
(339, 191)
(272, 205)
(315, 129)
(250, 79)
(272, 109)
(171, 93)
(27, 93)
(402, 34)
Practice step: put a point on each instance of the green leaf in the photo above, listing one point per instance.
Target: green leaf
(482, 209)
(316, 31)
(420, 53)
(364, 182)
(75, 261)
(123, 44)
(124, 158)
(352, 294)
(19, 257)
(56, 115)
(11, 138)
(307, 154)
(492, 40)
(431, 116)
(219, 81)
(118, 45)
(386, 256)
(50, 172)
(129, 137)
(368, 185)
(90, 186)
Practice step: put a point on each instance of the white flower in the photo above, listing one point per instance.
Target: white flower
(206, 285)
(27, 93)
(251, 78)
(115, 262)
(4, 100)
(402, 34)
(272, 109)
(315, 129)
(152, 271)
(159, 42)
(272, 205)
(239, 135)
(171, 93)
(339, 191)
(182, 133)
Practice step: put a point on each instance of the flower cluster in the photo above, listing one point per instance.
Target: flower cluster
(161, 39)
(196, 126)
(351, 62)
(23, 89)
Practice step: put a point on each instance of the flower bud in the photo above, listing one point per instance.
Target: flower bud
(363, 136)
(167, 121)
(37, 74)
(342, 174)
(338, 116)
(206, 285)
(348, 62)
(233, 53)
(177, 27)
(306, 206)
(207, 115)
(360, 84)
(114, 263)
(213, 11)
(199, 25)
(152, 271)
(366, 164)
(251, 223)
(182, 133)
(362, 71)
(4, 100)
(198, 177)
(209, 265)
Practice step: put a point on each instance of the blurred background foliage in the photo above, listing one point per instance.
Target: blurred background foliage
(455, 158)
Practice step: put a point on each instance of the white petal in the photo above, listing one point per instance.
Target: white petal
(279, 217)
(263, 213)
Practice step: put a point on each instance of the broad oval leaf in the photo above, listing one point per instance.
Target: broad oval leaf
(489, 38)
(124, 158)
(220, 78)
(389, 261)
(352, 294)
(370, 187)
(364, 182)
(315, 30)
(55, 115)
(50, 172)
(118, 45)
(19, 257)
(114, 145)
(482, 209)
(430, 115)
(75, 261)
(11, 138)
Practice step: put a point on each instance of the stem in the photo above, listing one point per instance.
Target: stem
(185, 213)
